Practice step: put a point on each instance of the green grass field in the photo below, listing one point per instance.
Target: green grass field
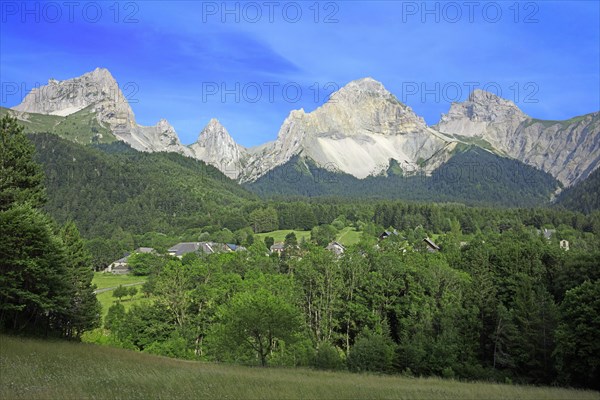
(106, 299)
(102, 280)
(346, 236)
(279, 236)
(80, 127)
(349, 236)
(36, 369)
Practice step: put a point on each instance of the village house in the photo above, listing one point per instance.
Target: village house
(121, 266)
(234, 247)
(181, 249)
(431, 247)
(387, 234)
(277, 248)
(336, 248)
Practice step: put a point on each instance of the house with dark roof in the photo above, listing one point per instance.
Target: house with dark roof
(431, 247)
(336, 248)
(121, 266)
(234, 247)
(387, 234)
(181, 249)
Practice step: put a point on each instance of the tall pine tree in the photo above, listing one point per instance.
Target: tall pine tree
(44, 279)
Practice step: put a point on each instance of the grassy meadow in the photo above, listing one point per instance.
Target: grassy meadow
(36, 369)
(279, 235)
(346, 236)
(106, 280)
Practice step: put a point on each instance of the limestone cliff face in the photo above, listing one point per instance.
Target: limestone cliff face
(99, 91)
(216, 147)
(358, 131)
(569, 150)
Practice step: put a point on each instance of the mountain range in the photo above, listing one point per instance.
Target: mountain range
(361, 131)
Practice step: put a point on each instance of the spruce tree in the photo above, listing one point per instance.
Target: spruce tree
(21, 178)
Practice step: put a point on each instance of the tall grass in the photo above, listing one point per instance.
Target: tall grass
(36, 369)
(108, 280)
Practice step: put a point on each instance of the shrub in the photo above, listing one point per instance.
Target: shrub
(327, 357)
(175, 347)
(371, 352)
(448, 373)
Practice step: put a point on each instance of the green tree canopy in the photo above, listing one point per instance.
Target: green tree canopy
(258, 320)
(21, 178)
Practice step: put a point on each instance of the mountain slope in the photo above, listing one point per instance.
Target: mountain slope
(583, 196)
(113, 186)
(471, 176)
(569, 150)
(99, 93)
(358, 131)
(80, 127)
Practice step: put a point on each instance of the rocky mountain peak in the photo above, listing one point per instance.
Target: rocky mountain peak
(100, 75)
(72, 95)
(362, 91)
(214, 133)
(215, 146)
(568, 150)
(366, 85)
(482, 106)
(358, 131)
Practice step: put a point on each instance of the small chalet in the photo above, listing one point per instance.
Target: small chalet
(387, 234)
(336, 248)
(277, 248)
(431, 247)
(564, 244)
(181, 249)
(121, 266)
(234, 247)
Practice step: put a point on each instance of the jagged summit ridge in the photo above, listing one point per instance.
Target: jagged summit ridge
(358, 131)
(215, 146)
(69, 96)
(568, 150)
(366, 85)
(484, 107)
(100, 91)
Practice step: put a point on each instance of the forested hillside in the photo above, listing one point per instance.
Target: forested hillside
(509, 307)
(112, 186)
(122, 199)
(583, 196)
(472, 176)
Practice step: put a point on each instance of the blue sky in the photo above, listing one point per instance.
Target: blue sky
(250, 63)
